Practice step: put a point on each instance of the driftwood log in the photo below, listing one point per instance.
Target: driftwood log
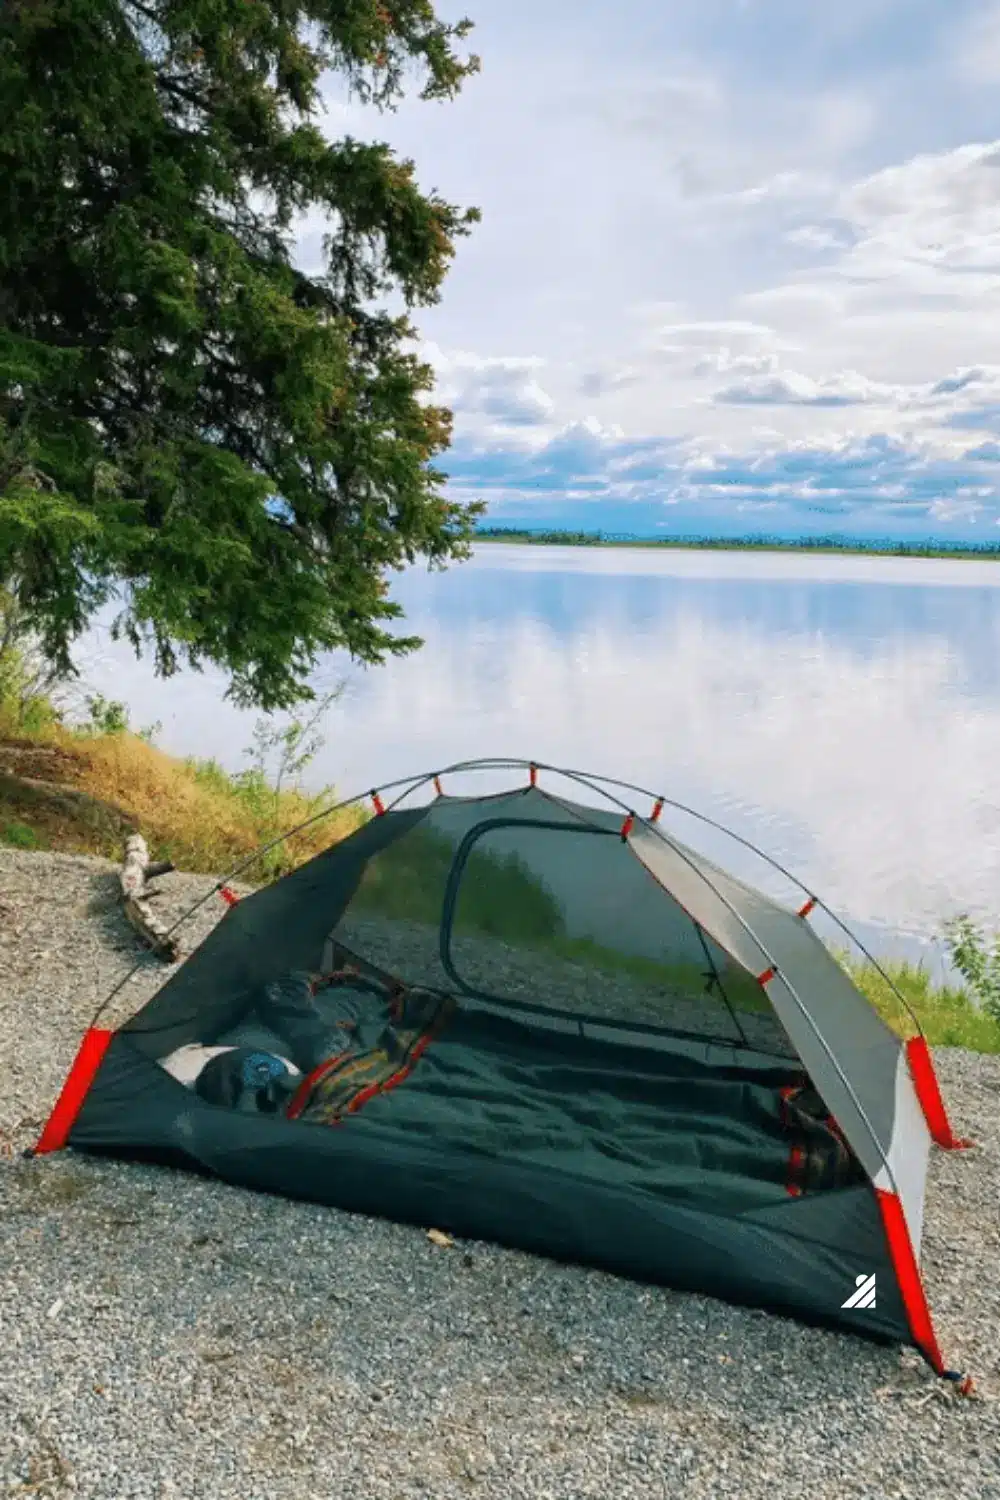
(136, 874)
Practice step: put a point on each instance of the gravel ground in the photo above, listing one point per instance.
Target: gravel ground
(164, 1336)
(411, 948)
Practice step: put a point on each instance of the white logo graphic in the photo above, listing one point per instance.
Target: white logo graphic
(865, 1294)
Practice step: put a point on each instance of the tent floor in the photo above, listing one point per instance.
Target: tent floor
(665, 1163)
(681, 1120)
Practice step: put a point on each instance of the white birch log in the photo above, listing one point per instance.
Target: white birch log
(135, 876)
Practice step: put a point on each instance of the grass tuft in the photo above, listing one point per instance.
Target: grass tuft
(21, 836)
(947, 1014)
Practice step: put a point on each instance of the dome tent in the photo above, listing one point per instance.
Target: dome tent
(548, 1023)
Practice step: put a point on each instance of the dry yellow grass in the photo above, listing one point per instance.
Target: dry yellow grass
(194, 814)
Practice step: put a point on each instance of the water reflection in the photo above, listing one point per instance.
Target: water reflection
(842, 712)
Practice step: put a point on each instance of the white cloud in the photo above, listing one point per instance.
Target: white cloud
(937, 212)
(715, 216)
(905, 312)
(588, 434)
(847, 388)
(956, 398)
(724, 362)
(502, 388)
(818, 237)
(791, 186)
(964, 380)
(600, 382)
(719, 347)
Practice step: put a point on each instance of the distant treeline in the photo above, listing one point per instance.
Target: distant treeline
(549, 538)
(883, 547)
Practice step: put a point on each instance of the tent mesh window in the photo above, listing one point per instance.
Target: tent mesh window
(549, 912)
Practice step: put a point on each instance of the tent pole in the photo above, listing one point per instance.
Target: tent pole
(716, 978)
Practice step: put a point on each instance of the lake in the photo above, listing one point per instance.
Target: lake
(842, 712)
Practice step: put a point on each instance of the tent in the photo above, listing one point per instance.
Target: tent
(543, 1020)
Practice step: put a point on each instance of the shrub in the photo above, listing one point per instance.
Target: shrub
(977, 959)
(20, 836)
(29, 683)
(105, 716)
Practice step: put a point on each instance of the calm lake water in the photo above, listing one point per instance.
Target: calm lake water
(841, 712)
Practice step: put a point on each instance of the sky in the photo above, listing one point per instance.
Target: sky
(738, 270)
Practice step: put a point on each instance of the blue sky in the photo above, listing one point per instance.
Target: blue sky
(739, 264)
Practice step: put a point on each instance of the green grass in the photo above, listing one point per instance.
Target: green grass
(21, 836)
(946, 1013)
(498, 897)
(741, 989)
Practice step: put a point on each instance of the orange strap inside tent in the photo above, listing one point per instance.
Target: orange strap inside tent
(81, 1075)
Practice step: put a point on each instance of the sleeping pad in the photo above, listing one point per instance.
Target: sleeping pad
(680, 1120)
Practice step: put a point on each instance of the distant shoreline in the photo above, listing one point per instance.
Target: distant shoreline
(826, 545)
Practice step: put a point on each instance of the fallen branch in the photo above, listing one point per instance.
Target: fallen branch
(136, 874)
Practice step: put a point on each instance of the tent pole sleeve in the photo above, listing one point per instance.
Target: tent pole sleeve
(81, 1075)
(911, 1288)
(908, 1275)
(929, 1093)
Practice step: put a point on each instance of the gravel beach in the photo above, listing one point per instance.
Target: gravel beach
(166, 1336)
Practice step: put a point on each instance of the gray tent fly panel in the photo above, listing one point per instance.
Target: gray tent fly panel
(551, 1025)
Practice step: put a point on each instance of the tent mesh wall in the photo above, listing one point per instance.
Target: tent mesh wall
(524, 902)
